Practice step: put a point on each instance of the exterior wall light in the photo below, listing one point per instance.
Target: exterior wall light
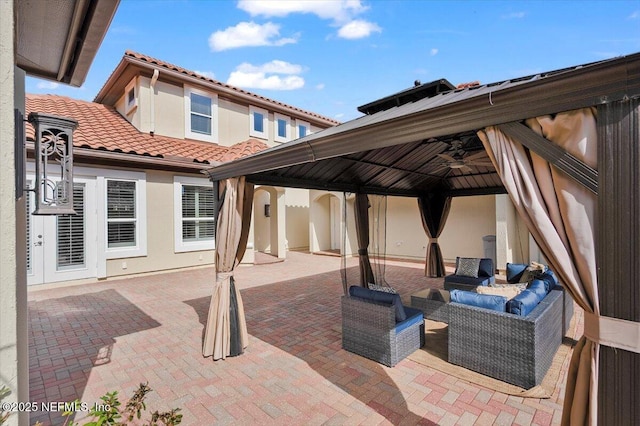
(54, 164)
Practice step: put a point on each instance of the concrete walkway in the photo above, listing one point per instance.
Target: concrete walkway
(90, 339)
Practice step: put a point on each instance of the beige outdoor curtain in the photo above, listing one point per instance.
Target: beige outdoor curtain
(434, 210)
(226, 328)
(362, 233)
(560, 214)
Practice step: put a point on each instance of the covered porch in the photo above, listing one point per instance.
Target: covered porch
(563, 144)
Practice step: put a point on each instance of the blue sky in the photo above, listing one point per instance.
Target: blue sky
(332, 56)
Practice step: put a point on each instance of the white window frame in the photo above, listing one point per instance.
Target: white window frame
(276, 127)
(302, 123)
(140, 249)
(130, 106)
(265, 121)
(181, 246)
(213, 137)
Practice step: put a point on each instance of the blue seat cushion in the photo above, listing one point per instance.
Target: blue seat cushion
(539, 287)
(385, 298)
(515, 272)
(523, 303)
(487, 301)
(469, 280)
(414, 316)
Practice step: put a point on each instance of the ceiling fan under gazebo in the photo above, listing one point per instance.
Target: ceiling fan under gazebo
(458, 158)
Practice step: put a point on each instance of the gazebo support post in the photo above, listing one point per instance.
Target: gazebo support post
(618, 251)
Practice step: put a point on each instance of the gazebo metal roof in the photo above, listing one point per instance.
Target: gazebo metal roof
(395, 151)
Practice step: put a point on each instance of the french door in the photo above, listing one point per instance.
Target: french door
(63, 248)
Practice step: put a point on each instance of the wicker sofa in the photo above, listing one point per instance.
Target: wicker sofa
(370, 326)
(512, 348)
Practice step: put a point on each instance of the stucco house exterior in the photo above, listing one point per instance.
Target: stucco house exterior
(143, 204)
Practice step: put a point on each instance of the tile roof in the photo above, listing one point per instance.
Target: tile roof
(187, 72)
(101, 127)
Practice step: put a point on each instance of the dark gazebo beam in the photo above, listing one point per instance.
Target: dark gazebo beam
(554, 154)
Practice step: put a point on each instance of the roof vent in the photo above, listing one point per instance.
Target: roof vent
(417, 92)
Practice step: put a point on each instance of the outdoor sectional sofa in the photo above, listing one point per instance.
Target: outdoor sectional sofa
(512, 348)
(483, 275)
(377, 326)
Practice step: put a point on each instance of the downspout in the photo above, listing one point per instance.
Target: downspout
(152, 102)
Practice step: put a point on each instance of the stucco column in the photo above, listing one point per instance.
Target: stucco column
(512, 237)
(14, 349)
(278, 224)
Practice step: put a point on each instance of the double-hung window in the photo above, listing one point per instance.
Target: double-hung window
(201, 115)
(282, 128)
(125, 213)
(194, 214)
(122, 218)
(258, 119)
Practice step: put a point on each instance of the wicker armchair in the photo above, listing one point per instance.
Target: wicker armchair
(370, 330)
(514, 349)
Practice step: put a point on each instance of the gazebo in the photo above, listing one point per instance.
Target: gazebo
(563, 144)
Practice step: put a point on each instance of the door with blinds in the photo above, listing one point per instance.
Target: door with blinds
(64, 248)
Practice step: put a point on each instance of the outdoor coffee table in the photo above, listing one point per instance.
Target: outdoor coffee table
(433, 302)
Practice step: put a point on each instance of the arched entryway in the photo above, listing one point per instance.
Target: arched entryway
(326, 223)
(269, 221)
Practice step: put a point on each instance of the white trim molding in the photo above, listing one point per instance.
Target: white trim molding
(256, 133)
(276, 128)
(212, 136)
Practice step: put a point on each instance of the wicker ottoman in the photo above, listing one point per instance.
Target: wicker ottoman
(433, 302)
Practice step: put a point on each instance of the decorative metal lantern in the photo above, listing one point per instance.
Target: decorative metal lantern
(54, 164)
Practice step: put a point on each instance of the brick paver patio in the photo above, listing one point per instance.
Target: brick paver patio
(89, 339)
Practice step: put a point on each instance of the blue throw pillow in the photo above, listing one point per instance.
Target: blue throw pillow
(539, 287)
(486, 268)
(515, 271)
(380, 297)
(523, 303)
(487, 301)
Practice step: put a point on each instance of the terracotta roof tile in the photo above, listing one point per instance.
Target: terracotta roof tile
(242, 149)
(101, 127)
(469, 84)
(181, 70)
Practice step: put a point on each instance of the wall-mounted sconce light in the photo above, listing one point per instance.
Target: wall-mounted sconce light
(267, 210)
(54, 164)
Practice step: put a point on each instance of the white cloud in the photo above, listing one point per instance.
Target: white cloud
(274, 67)
(358, 29)
(248, 34)
(433, 52)
(634, 15)
(274, 75)
(339, 11)
(48, 85)
(320, 86)
(342, 13)
(514, 15)
(208, 74)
